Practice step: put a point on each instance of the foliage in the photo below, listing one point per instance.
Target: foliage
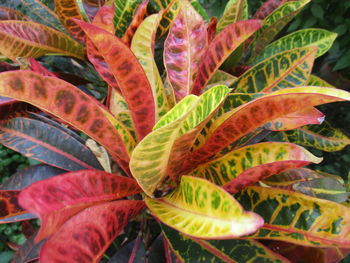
(171, 157)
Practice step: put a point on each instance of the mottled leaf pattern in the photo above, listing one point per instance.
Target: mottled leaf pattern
(183, 49)
(58, 198)
(29, 39)
(201, 209)
(290, 68)
(11, 14)
(87, 235)
(220, 48)
(123, 14)
(142, 46)
(267, 8)
(297, 218)
(188, 249)
(9, 206)
(233, 13)
(170, 12)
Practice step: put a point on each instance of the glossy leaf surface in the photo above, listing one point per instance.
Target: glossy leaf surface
(220, 48)
(290, 68)
(87, 235)
(247, 117)
(47, 144)
(297, 218)
(184, 47)
(233, 13)
(123, 14)
(201, 209)
(69, 104)
(29, 39)
(250, 164)
(188, 249)
(11, 14)
(129, 74)
(143, 47)
(58, 198)
(9, 206)
(322, 39)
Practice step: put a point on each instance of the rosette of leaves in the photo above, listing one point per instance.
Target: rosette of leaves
(177, 166)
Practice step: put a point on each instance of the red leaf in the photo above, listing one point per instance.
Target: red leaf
(86, 236)
(267, 8)
(27, 229)
(38, 68)
(212, 28)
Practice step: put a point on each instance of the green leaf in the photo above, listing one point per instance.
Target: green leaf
(233, 13)
(124, 12)
(317, 81)
(201, 209)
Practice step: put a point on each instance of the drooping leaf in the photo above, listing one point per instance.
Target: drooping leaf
(317, 81)
(201, 209)
(250, 164)
(320, 38)
(29, 175)
(220, 48)
(87, 235)
(123, 14)
(9, 206)
(67, 10)
(234, 124)
(291, 68)
(71, 105)
(267, 8)
(233, 13)
(183, 49)
(59, 198)
(297, 218)
(323, 137)
(142, 46)
(11, 14)
(129, 74)
(140, 14)
(29, 251)
(29, 39)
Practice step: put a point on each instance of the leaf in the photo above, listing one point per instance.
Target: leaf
(47, 144)
(267, 8)
(139, 16)
(59, 198)
(252, 163)
(87, 235)
(233, 13)
(221, 77)
(29, 175)
(17, 218)
(9, 204)
(220, 48)
(134, 251)
(323, 137)
(124, 12)
(129, 74)
(246, 118)
(29, 251)
(142, 47)
(320, 38)
(201, 209)
(287, 69)
(211, 28)
(274, 23)
(11, 14)
(37, 67)
(188, 249)
(297, 218)
(104, 18)
(171, 9)
(198, 7)
(317, 81)
(91, 7)
(67, 10)
(183, 49)
(68, 103)
(29, 39)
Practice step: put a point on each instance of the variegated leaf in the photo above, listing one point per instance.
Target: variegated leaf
(30, 39)
(233, 13)
(290, 68)
(171, 9)
(188, 248)
(9, 206)
(250, 164)
(267, 8)
(211, 28)
(11, 14)
(320, 38)
(201, 209)
(297, 218)
(124, 12)
(220, 48)
(183, 49)
(142, 47)
(317, 81)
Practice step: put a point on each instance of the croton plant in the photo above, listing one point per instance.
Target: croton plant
(187, 148)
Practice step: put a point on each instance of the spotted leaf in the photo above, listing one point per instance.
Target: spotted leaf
(57, 199)
(188, 249)
(9, 206)
(291, 68)
(201, 209)
(234, 124)
(87, 235)
(129, 74)
(320, 38)
(250, 164)
(220, 48)
(11, 14)
(233, 13)
(29, 39)
(297, 218)
(142, 46)
(68, 103)
(124, 12)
